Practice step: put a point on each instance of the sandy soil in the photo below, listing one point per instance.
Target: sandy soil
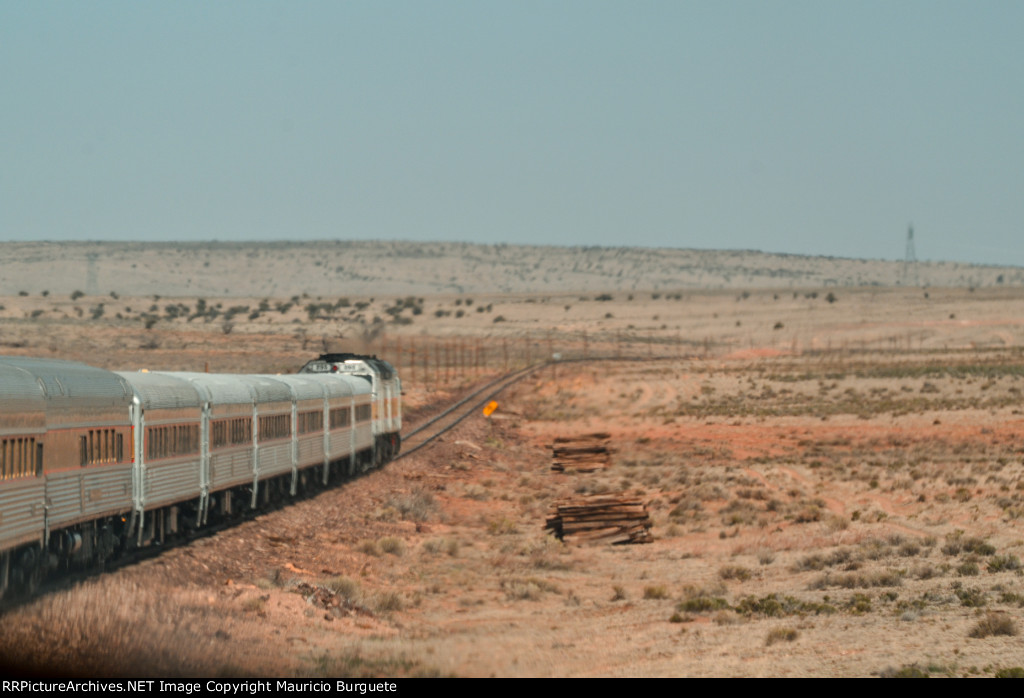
(840, 496)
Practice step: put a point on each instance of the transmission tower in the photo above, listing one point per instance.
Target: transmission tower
(910, 259)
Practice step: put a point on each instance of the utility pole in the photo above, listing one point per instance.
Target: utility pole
(910, 260)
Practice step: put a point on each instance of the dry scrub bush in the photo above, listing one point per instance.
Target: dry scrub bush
(347, 589)
(735, 572)
(529, 589)
(994, 623)
(656, 593)
(818, 561)
(1001, 563)
(547, 553)
(418, 505)
(781, 635)
(369, 547)
(1014, 672)
(109, 628)
(862, 580)
(436, 546)
(388, 601)
(957, 543)
(502, 527)
(703, 600)
(907, 671)
(392, 545)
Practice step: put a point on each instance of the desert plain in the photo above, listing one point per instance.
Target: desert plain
(830, 452)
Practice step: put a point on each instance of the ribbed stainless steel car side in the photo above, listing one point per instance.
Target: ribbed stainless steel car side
(226, 398)
(164, 402)
(81, 399)
(22, 495)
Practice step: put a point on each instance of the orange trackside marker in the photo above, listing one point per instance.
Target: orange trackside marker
(490, 407)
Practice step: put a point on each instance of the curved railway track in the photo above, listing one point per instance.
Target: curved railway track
(449, 418)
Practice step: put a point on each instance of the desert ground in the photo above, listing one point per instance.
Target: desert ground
(834, 474)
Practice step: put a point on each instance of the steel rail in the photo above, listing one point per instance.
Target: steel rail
(506, 380)
(502, 382)
(469, 397)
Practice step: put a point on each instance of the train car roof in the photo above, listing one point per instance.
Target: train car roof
(302, 387)
(360, 385)
(266, 388)
(66, 387)
(162, 391)
(336, 385)
(220, 388)
(23, 405)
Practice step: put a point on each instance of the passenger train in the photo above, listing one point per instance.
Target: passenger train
(95, 463)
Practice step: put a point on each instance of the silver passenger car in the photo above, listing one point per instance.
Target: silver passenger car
(94, 462)
(66, 463)
(22, 435)
(166, 415)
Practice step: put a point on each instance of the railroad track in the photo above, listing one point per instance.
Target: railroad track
(434, 427)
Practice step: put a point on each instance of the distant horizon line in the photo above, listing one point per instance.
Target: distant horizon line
(339, 241)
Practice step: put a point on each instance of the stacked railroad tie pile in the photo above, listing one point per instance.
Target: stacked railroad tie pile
(601, 518)
(585, 453)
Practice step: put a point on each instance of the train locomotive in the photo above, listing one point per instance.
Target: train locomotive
(95, 463)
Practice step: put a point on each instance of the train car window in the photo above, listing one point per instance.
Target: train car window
(311, 422)
(276, 426)
(242, 431)
(12, 466)
(231, 432)
(364, 413)
(101, 446)
(20, 457)
(340, 418)
(178, 440)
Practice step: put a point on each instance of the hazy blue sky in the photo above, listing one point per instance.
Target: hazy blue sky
(816, 127)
